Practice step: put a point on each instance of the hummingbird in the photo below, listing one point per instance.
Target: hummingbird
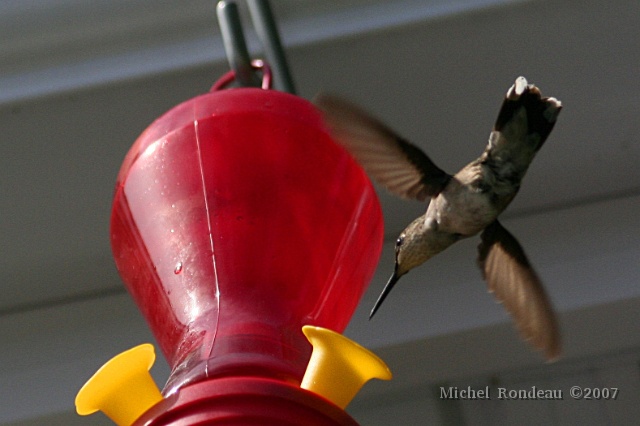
(465, 204)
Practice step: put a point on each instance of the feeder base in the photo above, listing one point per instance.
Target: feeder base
(245, 401)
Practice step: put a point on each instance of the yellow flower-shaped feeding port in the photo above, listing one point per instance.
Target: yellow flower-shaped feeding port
(339, 367)
(122, 388)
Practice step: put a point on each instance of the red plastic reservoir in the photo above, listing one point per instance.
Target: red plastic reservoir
(244, 401)
(236, 221)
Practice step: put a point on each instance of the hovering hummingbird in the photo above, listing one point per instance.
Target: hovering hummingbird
(466, 203)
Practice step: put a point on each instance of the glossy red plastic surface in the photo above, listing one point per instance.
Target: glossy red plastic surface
(245, 401)
(236, 221)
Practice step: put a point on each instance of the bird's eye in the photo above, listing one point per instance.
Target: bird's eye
(400, 240)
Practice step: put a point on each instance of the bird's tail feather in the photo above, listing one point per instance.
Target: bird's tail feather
(525, 100)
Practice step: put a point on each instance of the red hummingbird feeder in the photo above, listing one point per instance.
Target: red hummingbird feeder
(236, 221)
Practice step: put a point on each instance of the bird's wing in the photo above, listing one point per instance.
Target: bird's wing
(394, 163)
(514, 283)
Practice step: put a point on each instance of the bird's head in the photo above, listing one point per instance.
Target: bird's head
(419, 242)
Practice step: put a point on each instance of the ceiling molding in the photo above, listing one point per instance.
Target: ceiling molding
(63, 45)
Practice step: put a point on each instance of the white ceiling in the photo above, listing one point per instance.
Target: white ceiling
(80, 80)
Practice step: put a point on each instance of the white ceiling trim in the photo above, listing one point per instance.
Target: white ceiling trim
(53, 47)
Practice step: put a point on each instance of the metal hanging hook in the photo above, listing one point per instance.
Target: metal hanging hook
(236, 47)
(234, 43)
(230, 77)
(265, 25)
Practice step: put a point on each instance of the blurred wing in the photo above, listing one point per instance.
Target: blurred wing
(515, 284)
(394, 163)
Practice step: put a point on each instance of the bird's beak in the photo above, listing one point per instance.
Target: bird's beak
(387, 289)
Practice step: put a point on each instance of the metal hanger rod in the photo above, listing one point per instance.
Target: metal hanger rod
(235, 44)
(267, 30)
